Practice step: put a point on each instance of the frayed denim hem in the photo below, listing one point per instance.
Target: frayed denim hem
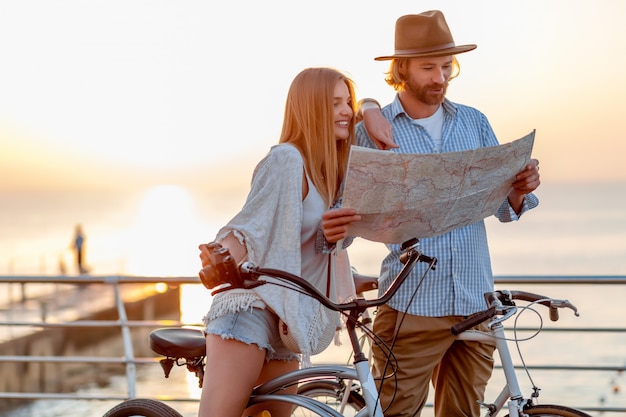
(270, 352)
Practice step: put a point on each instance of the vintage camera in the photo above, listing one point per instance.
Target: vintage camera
(222, 270)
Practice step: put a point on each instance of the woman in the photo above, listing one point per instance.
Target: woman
(292, 189)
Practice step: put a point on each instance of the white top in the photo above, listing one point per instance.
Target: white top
(314, 265)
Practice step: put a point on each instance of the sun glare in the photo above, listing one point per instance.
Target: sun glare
(163, 240)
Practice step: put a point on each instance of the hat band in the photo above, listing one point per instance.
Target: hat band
(424, 50)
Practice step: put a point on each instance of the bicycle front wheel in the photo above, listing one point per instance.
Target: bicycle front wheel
(550, 410)
(331, 393)
(140, 407)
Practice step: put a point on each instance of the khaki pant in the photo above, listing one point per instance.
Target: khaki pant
(426, 350)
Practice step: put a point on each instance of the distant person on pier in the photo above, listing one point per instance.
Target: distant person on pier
(79, 249)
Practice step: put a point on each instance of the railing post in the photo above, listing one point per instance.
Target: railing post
(129, 354)
(44, 311)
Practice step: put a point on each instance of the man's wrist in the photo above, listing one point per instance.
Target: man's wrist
(367, 104)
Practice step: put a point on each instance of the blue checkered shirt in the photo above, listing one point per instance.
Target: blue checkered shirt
(463, 271)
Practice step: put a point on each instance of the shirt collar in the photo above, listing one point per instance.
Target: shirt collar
(397, 109)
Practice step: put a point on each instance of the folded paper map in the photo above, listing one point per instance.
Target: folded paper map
(404, 196)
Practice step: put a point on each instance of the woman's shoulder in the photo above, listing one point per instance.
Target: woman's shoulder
(285, 150)
(284, 155)
(280, 158)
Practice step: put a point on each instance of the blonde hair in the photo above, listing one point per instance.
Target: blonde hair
(397, 79)
(309, 126)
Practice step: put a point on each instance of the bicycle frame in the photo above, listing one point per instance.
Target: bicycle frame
(361, 364)
(511, 393)
(511, 389)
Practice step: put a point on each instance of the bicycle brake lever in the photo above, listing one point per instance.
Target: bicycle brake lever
(508, 311)
(428, 259)
(564, 304)
(247, 268)
(250, 279)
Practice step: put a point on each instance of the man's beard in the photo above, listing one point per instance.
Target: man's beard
(424, 94)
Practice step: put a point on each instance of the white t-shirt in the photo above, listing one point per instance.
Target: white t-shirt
(433, 126)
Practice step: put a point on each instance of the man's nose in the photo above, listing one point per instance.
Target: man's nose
(439, 76)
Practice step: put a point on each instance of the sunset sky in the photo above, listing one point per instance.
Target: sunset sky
(117, 93)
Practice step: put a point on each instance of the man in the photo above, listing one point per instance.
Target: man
(416, 320)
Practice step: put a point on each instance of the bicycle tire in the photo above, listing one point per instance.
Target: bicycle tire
(551, 410)
(331, 394)
(142, 407)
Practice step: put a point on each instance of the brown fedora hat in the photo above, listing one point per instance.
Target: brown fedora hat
(422, 35)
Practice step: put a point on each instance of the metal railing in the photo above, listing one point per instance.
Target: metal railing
(129, 360)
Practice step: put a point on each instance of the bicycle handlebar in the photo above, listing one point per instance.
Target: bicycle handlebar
(223, 274)
(251, 278)
(473, 320)
(499, 302)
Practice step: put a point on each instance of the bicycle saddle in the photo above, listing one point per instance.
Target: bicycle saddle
(178, 342)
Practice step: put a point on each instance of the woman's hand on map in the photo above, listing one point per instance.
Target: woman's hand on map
(335, 223)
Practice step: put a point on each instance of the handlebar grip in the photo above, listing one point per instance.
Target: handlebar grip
(554, 313)
(473, 321)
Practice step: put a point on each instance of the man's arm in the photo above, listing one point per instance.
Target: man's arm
(377, 126)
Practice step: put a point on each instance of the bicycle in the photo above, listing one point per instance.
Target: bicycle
(186, 347)
(501, 303)
(344, 394)
(331, 390)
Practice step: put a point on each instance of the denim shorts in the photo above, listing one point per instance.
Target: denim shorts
(257, 326)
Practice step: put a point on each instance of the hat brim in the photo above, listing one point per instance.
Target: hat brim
(442, 52)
